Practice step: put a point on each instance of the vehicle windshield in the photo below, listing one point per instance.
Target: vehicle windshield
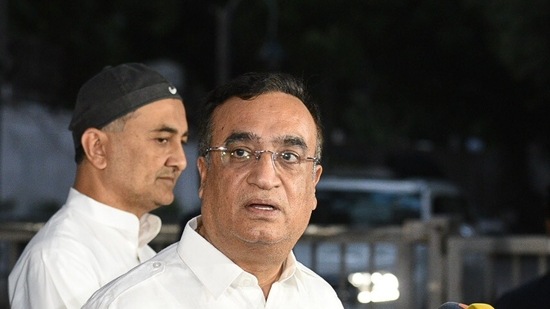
(359, 209)
(365, 209)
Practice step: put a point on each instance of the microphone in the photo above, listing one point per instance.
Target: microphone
(453, 305)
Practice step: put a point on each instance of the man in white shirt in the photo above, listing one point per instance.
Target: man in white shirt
(260, 141)
(129, 126)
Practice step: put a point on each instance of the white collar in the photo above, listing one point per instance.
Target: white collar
(215, 270)
(142, 230)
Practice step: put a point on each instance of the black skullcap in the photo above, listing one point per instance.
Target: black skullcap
(114, 92)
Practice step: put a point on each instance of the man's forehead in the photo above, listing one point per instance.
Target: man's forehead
(263, 120)
(162, 113)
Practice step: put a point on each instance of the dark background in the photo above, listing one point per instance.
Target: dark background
(457, 89)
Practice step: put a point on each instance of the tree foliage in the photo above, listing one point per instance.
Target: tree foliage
(384, 71)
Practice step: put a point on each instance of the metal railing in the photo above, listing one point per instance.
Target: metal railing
(483, 268)
(412, 252)
(458, 269)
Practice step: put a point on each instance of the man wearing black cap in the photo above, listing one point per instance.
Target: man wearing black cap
(128, 128)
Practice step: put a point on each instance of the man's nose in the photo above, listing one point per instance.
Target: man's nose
(264, 173)
(178, 158)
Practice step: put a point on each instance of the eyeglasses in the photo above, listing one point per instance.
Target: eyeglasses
(240, 157)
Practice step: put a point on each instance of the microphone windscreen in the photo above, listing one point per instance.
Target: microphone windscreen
(480, 306)
(452, 305)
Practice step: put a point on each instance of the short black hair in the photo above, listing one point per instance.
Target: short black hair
(249, 86)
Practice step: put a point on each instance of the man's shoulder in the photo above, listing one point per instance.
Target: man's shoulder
(533, 293)
(318, 292)
(308, 273)
(62, 239)
(539, 285)
(137, 277)
(310, 277)
(60, 229)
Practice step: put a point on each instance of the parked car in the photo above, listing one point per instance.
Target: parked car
(361, 205)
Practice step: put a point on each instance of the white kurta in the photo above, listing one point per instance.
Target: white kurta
(82, 247)
(192, 274)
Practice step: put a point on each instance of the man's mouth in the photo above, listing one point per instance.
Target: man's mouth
(168, 178)
(263, 207)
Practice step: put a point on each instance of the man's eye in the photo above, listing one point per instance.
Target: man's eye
(162, 140)
(289, 157)
(240, 153)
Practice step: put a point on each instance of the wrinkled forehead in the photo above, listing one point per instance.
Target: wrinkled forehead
(252, 140)
(267, 120)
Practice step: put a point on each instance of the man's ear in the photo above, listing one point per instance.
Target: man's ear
(318, 170)
(202, 166)
(317, 173)
(94, 144)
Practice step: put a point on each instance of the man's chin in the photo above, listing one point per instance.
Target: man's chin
(165, 201)
(168, 203)
(263, 239)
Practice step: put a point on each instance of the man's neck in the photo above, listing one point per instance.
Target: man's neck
(260, 260)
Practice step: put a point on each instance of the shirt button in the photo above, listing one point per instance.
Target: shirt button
(156, 264)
